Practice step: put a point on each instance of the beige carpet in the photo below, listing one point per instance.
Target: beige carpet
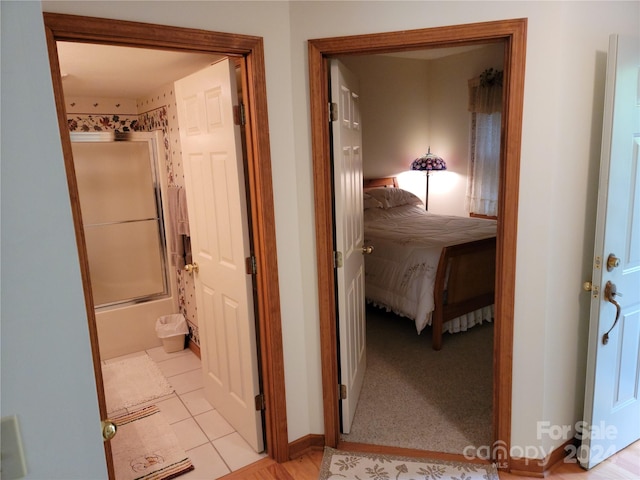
(361, 466)
(133, 381)
(415, 397)
(146, 448)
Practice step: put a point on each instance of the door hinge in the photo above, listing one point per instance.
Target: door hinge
(343, 392)
(333, 111)
(251, 265)
(337, 259)
(239, 116)
(260, 402)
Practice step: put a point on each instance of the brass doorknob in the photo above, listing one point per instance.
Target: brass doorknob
(191, 267)
(612, 262)
(109, 429)
(590, 287)
(367, 250)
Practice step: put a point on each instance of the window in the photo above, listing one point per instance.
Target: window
(485, 105)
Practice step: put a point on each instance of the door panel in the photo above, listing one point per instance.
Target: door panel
(347, 154)
(214, 179)
(612, 405)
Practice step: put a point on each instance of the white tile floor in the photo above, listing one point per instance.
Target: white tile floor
(213, 446)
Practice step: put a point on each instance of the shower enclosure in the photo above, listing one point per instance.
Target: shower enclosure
(121, 196)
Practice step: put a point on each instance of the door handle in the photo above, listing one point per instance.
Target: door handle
(590, 287)
(109, 429)
(368, 250)
(609, 294)
(191, 267)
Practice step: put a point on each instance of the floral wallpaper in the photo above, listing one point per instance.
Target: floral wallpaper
(102, 123)
(158, 111)
(155, 112)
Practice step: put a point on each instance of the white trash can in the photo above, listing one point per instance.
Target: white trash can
(171, 329)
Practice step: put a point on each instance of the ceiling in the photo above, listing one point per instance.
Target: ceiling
(433, 53)
(93, 70)
(123, 72)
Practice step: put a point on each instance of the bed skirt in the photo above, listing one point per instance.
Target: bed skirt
(468, 320)
(455, 325)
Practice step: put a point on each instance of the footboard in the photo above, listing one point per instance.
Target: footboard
(465, 281)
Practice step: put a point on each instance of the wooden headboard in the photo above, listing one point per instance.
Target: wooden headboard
(387, 182)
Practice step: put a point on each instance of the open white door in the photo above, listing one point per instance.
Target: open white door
(347, 164)
(215, 187)
(612, 407)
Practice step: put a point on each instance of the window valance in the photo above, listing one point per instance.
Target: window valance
(485, 92)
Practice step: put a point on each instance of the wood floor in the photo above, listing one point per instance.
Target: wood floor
(625, 465)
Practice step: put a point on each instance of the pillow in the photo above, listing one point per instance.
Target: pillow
(370, 202)
(394, 197)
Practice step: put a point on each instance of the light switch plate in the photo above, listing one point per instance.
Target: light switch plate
(12, 462)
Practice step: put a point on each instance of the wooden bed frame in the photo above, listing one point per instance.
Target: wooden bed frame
(470, 281)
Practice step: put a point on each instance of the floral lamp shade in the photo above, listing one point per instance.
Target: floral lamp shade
(428, 162)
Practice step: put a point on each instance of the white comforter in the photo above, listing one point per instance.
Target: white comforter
(400, 273)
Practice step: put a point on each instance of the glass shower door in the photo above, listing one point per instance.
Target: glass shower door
(121, 215)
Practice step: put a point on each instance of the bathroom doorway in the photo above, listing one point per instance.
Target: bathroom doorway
(249, 52)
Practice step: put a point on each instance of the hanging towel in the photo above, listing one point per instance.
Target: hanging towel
(186, 242)
(178, 225)
(183, 214)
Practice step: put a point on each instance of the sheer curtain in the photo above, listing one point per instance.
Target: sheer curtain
(485, 105)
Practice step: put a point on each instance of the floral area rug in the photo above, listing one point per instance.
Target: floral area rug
(146, 448)
(340, 465)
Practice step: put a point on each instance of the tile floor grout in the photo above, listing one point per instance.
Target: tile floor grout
(213, 446)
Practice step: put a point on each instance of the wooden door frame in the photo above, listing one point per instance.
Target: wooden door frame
(250, 51)
(512, 33)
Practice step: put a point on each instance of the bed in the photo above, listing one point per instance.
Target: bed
(436, 270)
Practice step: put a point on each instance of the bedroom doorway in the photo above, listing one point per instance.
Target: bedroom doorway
(512, 33)
(396, 115)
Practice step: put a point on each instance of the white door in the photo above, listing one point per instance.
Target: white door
(612, 407)
(214, 180)
(347, 162)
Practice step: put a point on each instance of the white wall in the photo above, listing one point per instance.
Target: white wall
(562, 117)
(449, 123)
(408, 105)
(46, 369)
(394, 110)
